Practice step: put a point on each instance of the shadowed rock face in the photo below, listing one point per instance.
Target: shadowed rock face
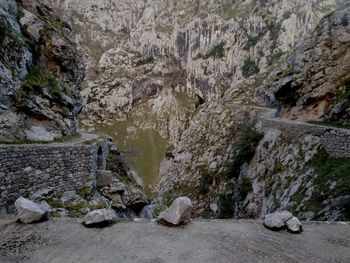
(315, 83)
(40, 74)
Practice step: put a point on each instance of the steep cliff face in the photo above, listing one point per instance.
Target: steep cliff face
(295, 173)
(40, 74)
(284, 171)
(189, 68)
(315, 82)
(134, 49)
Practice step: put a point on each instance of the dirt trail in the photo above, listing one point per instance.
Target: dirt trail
(202, 241)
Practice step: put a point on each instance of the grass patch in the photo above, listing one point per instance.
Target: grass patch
(40, 79)
(245, 146)
(297, 197)
(245, 186)
(84, 192)
(205, 181)
(249, 68)
(253, 40)
(144, 61)
(329, 170)
(218, 50)
(329, 124)
(226, 206)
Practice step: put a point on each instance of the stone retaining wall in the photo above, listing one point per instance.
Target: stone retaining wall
(336, 141)
(27, 168)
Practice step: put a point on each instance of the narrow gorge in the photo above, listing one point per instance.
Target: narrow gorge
(123, 106)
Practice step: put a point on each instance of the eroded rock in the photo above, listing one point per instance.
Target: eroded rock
(29, 212)
(277, 220)
(98, 217)
(179, 213)
(294, 225)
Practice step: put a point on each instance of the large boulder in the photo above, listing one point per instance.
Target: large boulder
(179, 213)
(277, 220)
(30, 212)
(284, 219)
(294, 225)
(98, 217)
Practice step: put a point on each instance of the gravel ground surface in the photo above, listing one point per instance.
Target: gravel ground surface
(231, 241)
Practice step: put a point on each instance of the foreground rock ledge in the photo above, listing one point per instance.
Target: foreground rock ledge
(29, 212)
(179, 213)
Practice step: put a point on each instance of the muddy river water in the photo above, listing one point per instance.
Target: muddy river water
(144, 149)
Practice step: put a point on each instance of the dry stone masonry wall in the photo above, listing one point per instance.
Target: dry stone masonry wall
(336, 141)
(28, 168)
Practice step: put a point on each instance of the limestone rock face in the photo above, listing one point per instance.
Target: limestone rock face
(165, 54)
(277, 220)
(28, 211)
(314, 83)
(179, 213)
(40, 74)
(99, 216)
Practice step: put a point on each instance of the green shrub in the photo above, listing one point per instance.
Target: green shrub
(40, 79)
(245, 186)
(205, 181)
(226, 206)
(245, 147)
(328, 169)
(218, 50)
(253, 40)
(249, 68)
(144, 61)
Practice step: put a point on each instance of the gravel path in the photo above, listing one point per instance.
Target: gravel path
(202, 241)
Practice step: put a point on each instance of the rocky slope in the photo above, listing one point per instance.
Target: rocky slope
(134, 49)
(40, 74)
(228, 177)
(314, 84)
(188, 69)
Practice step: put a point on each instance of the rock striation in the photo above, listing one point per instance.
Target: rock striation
(314, 84)
(41, 74)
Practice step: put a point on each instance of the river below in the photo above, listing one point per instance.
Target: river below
(144, 149)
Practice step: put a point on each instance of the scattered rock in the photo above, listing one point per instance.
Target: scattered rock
(277, 220)
(29, 212)
(284, 219)
(136, 200)
(104, 178)
(179, 213)
(99, 217)
(42, 194)
(294, 225)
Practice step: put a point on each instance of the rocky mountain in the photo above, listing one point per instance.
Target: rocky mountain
(203, 74)
(40, 74)
(314, 83)
(205, 50)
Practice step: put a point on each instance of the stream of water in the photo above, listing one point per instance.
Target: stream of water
(144, 149)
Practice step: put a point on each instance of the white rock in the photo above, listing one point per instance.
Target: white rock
(28, 211)
(294, 225)
(98, 216)
(178, 213)
(277, 220)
